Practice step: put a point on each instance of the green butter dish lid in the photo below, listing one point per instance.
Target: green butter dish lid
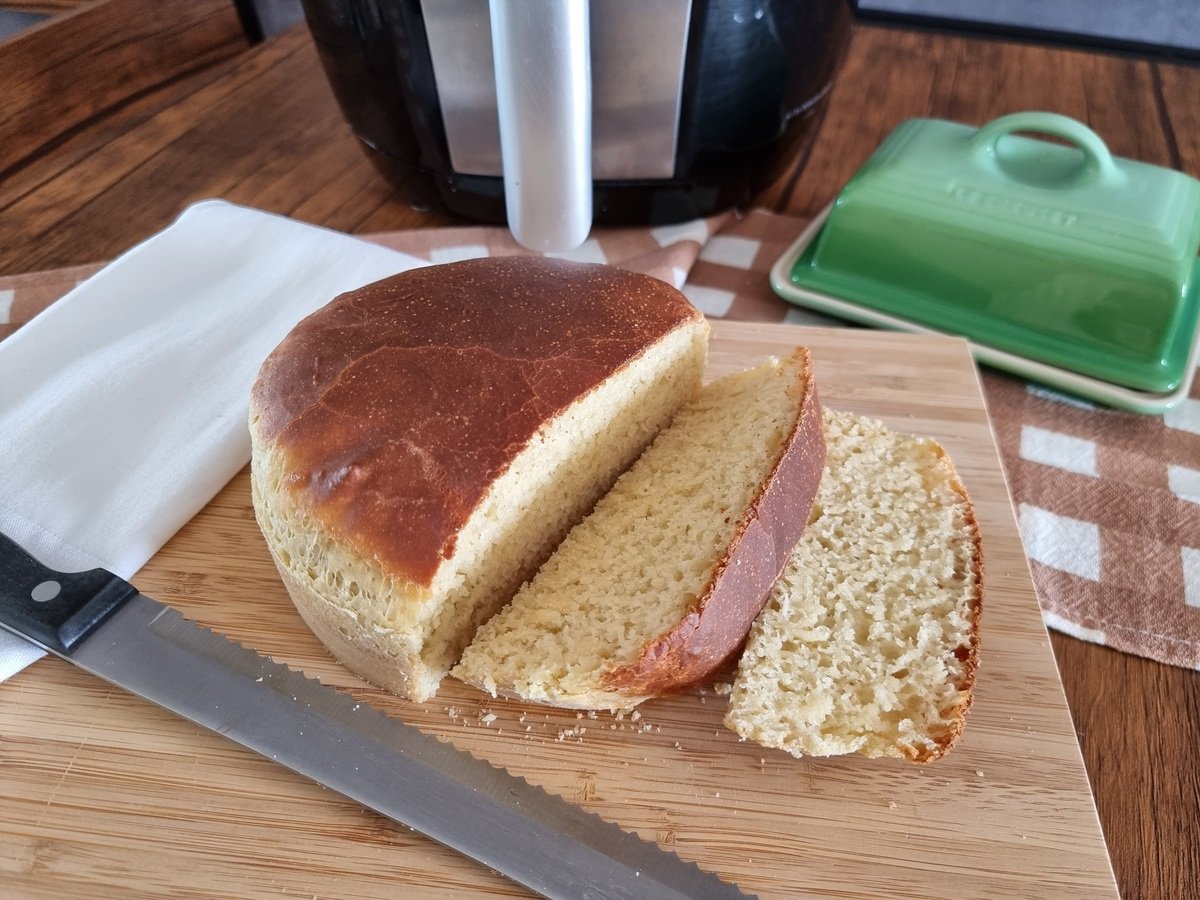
(1058, 256)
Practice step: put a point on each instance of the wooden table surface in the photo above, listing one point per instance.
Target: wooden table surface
(261, 128)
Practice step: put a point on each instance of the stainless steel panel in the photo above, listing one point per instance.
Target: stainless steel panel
(638, 48)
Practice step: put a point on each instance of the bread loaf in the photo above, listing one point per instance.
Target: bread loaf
(870, 640)
(421, 445)
(658, 586)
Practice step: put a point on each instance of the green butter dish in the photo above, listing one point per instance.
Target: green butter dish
(1057, 261)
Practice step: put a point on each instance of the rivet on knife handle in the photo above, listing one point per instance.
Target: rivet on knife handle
(55, 609)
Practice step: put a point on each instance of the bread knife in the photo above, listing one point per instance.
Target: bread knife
(102, 624)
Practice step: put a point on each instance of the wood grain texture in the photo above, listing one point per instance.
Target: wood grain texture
(1139, 724)
(262, 128)
(44, 6)
(106, 795)
(1143, 109)
(75, 66)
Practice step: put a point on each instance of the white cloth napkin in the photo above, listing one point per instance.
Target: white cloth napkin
(123, 406)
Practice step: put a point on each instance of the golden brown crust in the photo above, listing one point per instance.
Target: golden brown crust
(969, 654)
(397, 405)
(717, 625)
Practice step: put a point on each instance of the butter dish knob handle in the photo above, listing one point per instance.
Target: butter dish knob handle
(1098, 160)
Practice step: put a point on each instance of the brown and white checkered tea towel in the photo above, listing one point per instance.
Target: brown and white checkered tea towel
(1108, 502)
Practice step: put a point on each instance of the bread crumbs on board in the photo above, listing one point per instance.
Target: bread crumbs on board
(623, 720)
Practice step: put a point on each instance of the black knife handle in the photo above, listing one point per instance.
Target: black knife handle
(55, 609)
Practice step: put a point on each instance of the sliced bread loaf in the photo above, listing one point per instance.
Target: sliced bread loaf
(869, 642)
(659, 585)
(422, 444)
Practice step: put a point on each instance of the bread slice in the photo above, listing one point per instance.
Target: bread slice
(870, 640)
(422, 444)
(659, 585)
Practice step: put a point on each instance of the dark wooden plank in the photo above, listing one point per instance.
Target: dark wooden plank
(56, 7)
(1138, 723)
(891, 75)
(64, 72)
(38, 203)
(266, 133)
(1177, 95)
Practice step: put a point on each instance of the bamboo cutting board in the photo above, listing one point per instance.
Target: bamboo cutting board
(103, 795)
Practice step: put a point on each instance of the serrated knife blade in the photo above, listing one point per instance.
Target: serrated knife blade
(102, 624)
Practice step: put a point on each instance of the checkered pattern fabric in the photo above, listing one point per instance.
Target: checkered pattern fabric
(1108, 502)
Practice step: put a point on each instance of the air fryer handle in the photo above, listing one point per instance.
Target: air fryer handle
(544, 100)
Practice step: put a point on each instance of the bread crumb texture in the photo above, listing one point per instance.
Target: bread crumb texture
(638, 564)
(868, 643)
